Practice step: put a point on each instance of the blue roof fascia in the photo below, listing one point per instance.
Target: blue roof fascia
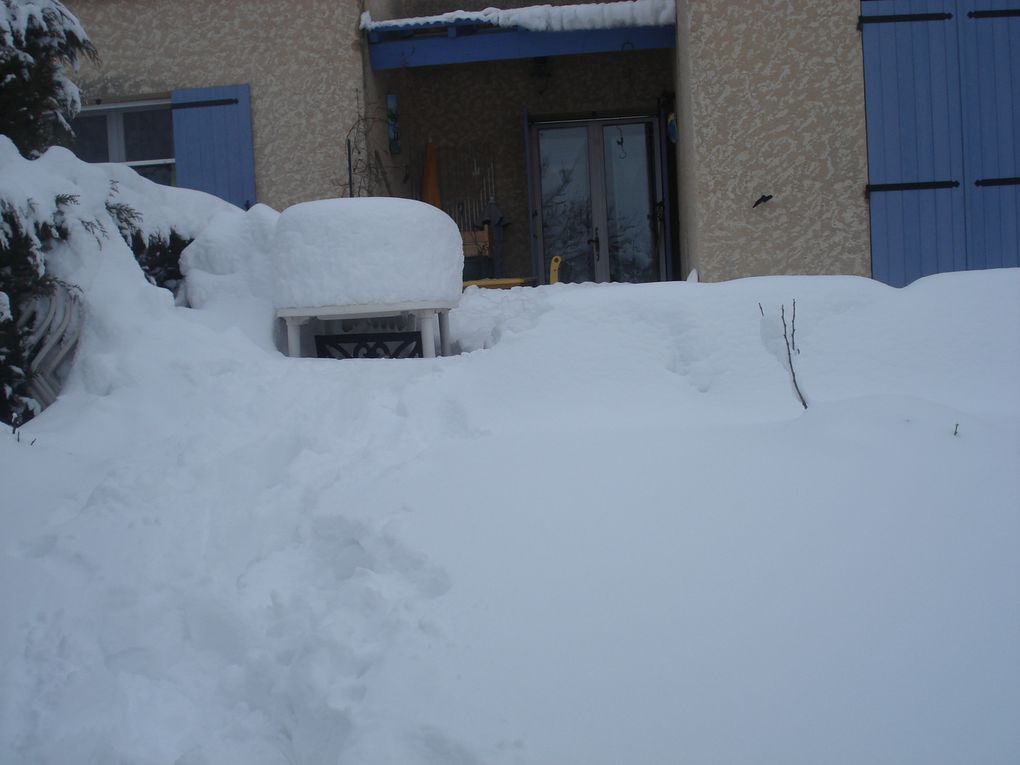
(466, 43)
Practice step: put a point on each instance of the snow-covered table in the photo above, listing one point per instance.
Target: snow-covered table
(424, 313)
(367, 258)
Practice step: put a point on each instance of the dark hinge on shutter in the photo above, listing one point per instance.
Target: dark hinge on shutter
(201, 104)
(901, 17)
(1006, 14)
(998, 182)
(873, 187)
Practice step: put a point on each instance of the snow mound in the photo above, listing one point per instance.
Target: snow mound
(92, 202)
(228, 272)
(366, 251)
(30, 186)
(60, 188)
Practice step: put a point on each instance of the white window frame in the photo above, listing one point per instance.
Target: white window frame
(114, 114)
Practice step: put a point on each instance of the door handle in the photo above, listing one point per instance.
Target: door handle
(997, 182)
(594, 241)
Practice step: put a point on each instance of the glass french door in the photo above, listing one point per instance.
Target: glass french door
(596, 200)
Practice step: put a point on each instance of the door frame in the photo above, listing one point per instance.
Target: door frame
(594, 123)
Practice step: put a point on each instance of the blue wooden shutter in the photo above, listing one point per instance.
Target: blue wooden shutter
(990, 67)
(915, 139)
(212, 142)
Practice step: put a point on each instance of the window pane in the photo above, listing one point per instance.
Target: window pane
(148, 135)
(90, 138)
(633, 256)
(566, 201)
(164, 174)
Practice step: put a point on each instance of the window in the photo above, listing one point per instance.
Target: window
(140, 135)
(198, 138)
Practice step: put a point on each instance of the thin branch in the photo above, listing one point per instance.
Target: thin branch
(793, 329)
(789, 357)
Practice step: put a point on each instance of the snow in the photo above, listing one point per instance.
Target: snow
(60, 191)
(606, 532)
(30, 186)
(229, 272)
(366, 251)
(549, 18)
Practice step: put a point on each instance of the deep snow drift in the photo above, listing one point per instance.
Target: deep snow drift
(607, 532)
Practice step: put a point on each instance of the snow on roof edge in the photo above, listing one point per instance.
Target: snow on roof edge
(548, 18)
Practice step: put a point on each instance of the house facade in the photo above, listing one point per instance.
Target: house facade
(631, 144)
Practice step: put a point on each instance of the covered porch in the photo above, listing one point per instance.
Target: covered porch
(545, 143)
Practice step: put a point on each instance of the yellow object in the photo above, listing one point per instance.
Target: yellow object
(430, 178)
(554, 269)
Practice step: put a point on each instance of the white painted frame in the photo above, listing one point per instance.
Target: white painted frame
(114, 114)
(424, 312)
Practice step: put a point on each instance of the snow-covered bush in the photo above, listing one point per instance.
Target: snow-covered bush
(58, 208)
(159, 253)
(38, 38)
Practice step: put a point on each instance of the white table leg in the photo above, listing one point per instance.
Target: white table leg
(294, 335)
(444, 333)
(428, 334)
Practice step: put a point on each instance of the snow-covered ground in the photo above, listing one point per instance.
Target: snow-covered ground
(607, 532)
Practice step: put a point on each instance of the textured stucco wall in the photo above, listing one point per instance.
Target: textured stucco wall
(301, 58)
(771, 100)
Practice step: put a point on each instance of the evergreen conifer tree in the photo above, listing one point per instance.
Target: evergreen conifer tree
(38, 40)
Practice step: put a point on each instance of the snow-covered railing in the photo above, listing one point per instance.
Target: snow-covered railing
(53, 325)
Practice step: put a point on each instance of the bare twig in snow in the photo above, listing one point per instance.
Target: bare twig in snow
(793, 329)
(789, 353)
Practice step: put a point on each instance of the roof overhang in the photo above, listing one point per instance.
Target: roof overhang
(462, 37)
